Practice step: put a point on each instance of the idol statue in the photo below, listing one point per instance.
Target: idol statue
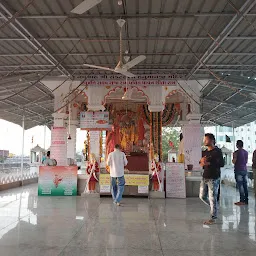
(156, 169)
(112, 139)
(92, 172)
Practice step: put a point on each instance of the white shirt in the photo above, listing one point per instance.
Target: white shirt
(117, 161)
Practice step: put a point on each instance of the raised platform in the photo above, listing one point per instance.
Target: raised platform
(193, 186)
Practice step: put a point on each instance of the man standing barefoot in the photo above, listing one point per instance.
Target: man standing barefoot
(117, 161)
(211, 162)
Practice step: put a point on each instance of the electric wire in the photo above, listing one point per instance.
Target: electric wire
(17, 14)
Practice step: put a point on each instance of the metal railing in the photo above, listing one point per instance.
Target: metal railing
(10, 173)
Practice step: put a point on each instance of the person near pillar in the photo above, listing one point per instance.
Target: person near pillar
(43, 158)
(254, 171)
(211, 162)
(117, 161)
(48, 161)
(240, 159)
(92, 171)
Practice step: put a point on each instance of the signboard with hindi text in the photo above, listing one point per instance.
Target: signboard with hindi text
(94, 120)
(139, 80)
(130, 180)
(175, 180)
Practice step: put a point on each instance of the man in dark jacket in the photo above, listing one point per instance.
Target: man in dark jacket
(240, 159)
(211, 162)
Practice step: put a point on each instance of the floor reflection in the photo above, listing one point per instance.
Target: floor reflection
(32, 225)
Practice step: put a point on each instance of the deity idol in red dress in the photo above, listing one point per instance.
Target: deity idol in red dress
(156, 170)
(112, 139)
(92, 171)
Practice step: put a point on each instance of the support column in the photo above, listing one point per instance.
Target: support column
(156, 106)
(156, 134)
(59, 139)
(71, 143)
(95, 143)
(193, 136)
(22, 151)
(96, 98)
(59, 119)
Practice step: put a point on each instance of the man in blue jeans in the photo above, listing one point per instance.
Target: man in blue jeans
(117, 161)
(240, 159)
(211, 162)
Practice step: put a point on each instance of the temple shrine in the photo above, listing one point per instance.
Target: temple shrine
(130, 113)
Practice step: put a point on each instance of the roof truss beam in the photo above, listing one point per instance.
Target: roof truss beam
(153, 64)
(247, 6)
(131, 53)
(26, 117)
(26, 35)
(108, 39)
(83, 54)
(253, 113)
(135, 69)
(114, 16)
(223, 102)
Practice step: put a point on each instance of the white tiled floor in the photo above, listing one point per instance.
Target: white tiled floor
(49, 226)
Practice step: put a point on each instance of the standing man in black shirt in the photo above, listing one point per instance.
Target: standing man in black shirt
(211, 162)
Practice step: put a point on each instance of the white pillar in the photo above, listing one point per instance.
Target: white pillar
(95, 143)
(22, 151)
(192, 134)
(59, 119)
(96, 98)
(44, 135)
(234, 141)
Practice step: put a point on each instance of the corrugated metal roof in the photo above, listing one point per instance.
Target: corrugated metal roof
(173, 34)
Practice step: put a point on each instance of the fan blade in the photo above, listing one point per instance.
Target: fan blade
(85, 6)
(124, 72)
(98, 67)
(134, 62)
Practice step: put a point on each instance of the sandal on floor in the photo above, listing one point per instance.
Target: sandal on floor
(210, 222)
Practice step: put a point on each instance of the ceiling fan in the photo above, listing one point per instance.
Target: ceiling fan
(121, 68)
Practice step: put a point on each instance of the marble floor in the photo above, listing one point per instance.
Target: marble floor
(49, 226)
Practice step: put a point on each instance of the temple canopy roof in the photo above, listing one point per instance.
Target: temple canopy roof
(177, 37)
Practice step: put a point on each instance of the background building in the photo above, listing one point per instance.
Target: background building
(246, 133)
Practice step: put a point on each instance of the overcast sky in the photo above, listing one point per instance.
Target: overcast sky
(11, 138)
